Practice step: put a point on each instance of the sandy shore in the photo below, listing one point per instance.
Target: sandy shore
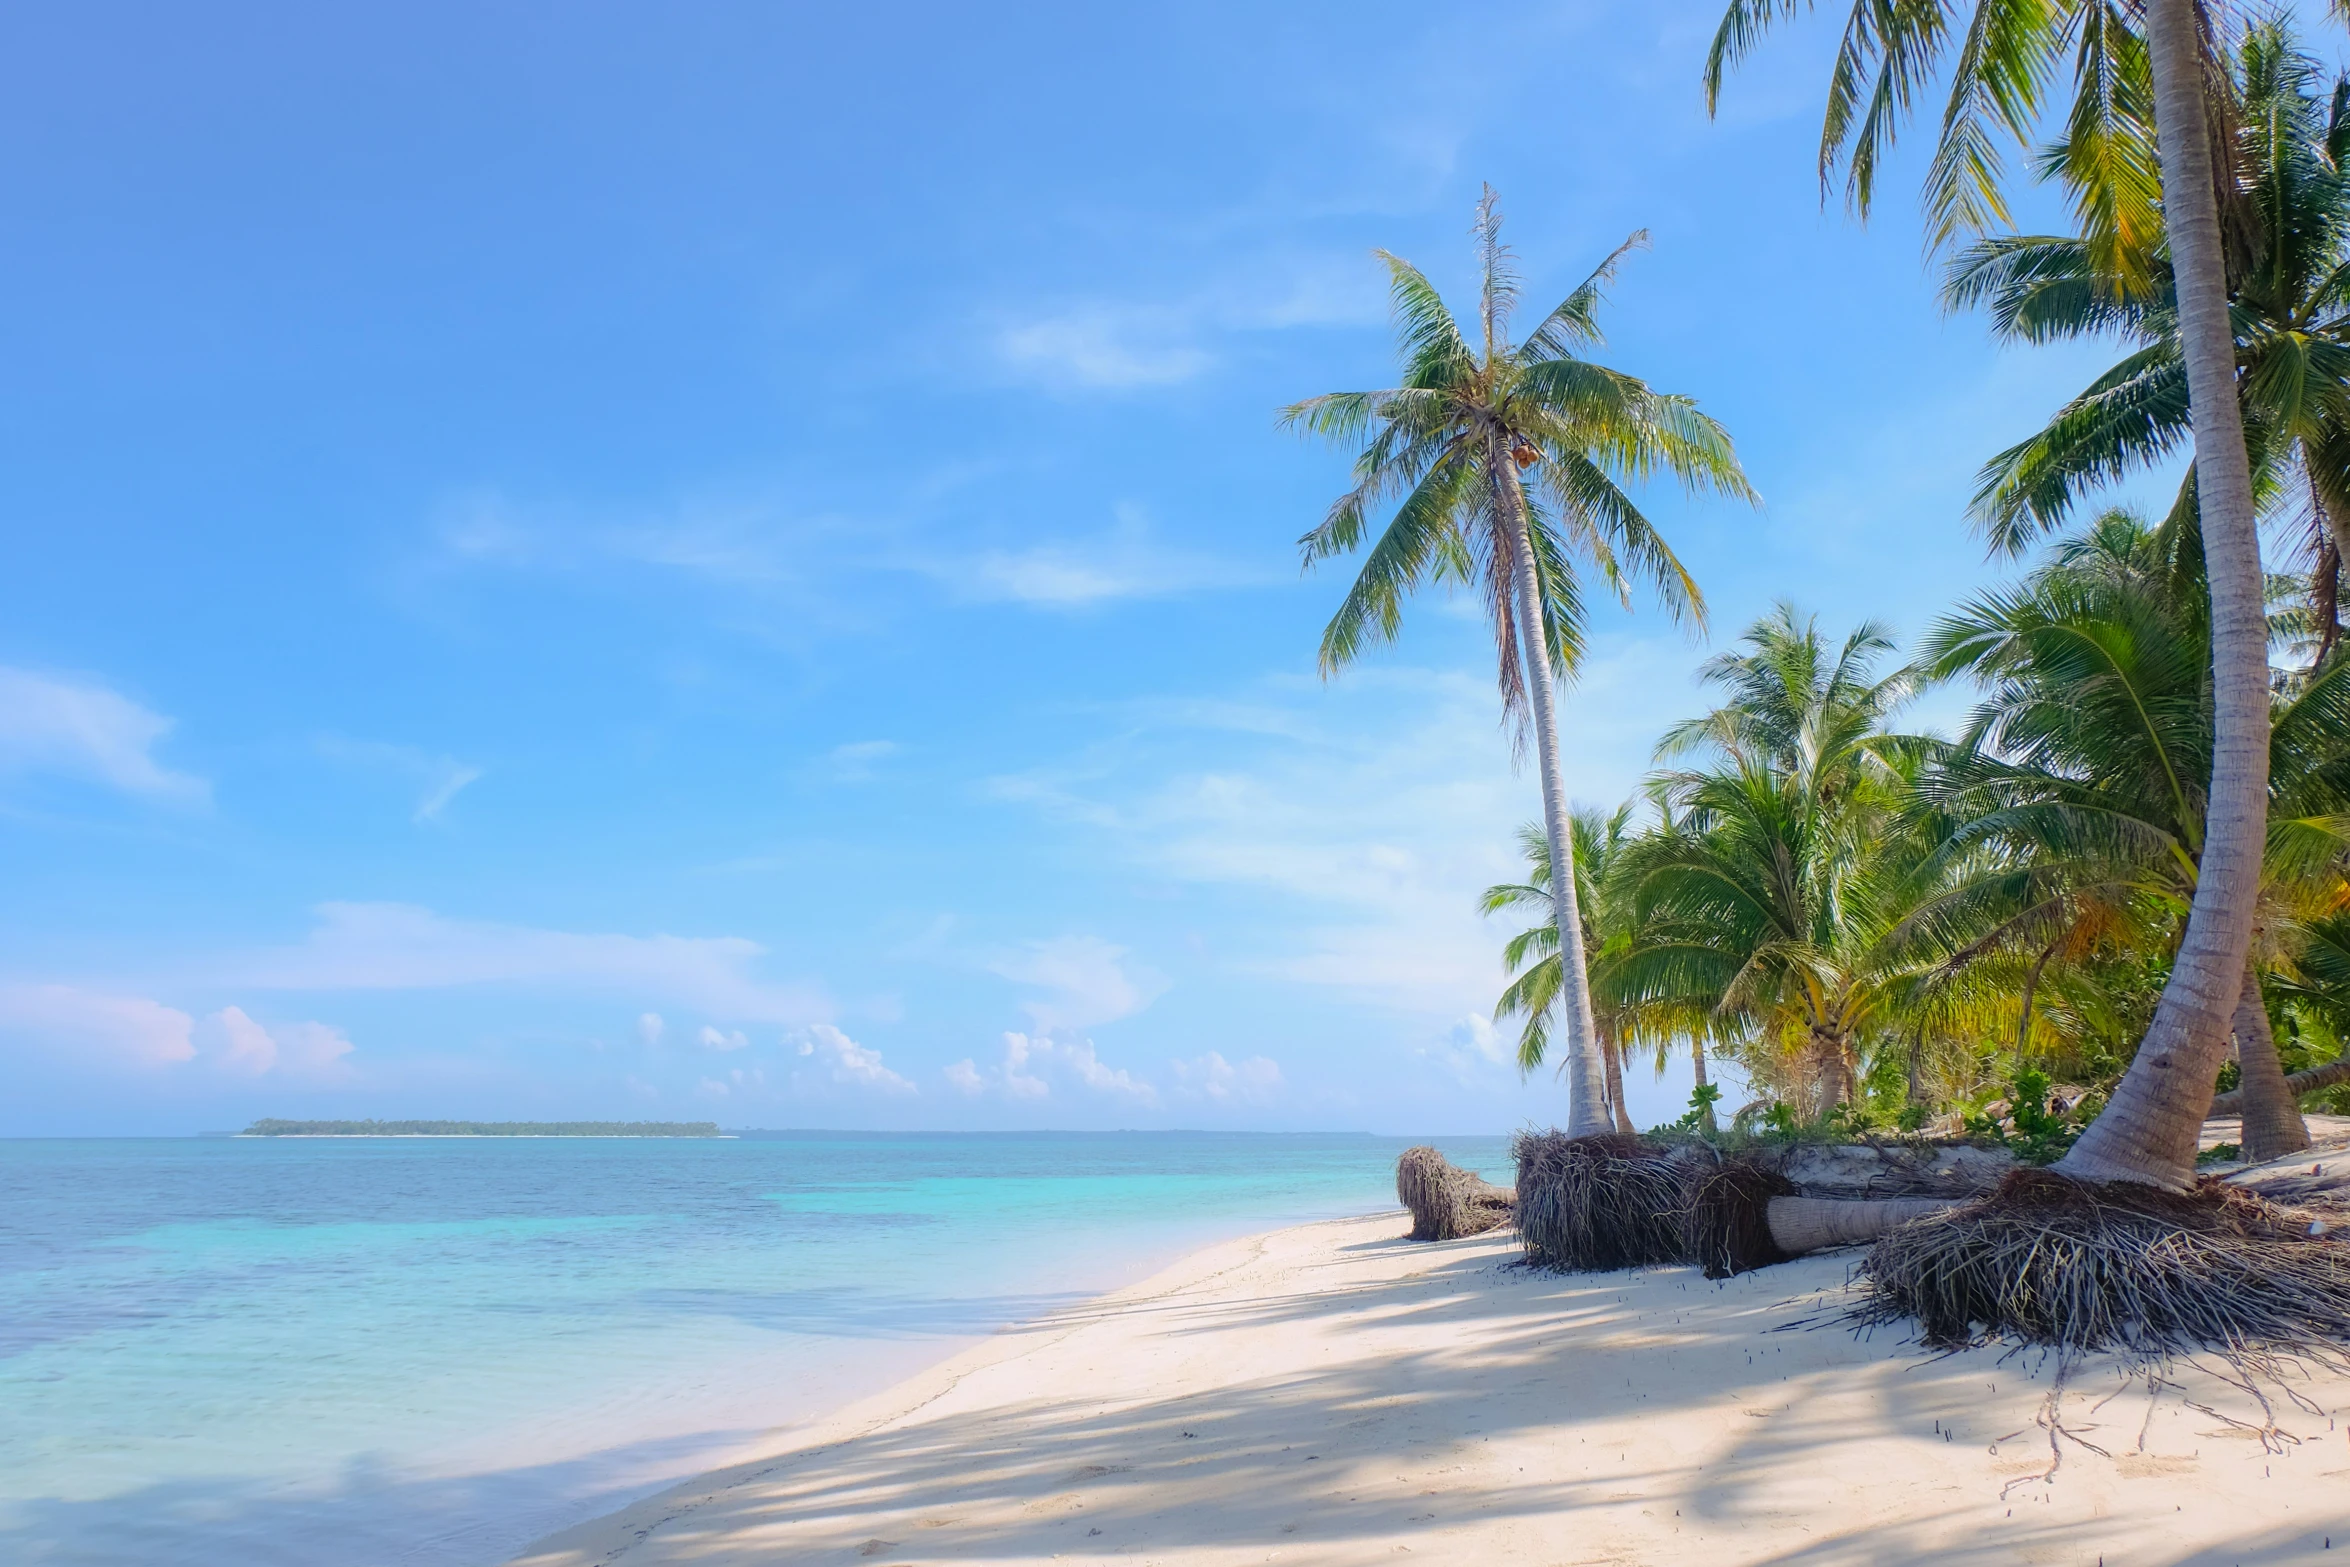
(1335, 1394)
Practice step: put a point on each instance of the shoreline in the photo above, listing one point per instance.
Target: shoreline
(1333, 1393)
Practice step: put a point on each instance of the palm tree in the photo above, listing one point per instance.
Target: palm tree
(2086, 756)
(1782, 889)
(2292, 313)
(1510, 461)
(1532, 956)
(2007, 56)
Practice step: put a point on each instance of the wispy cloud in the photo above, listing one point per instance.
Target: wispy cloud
(394, 946)
(857, 761)
(438, 778)
(1374, 810)
(1085, 980)
(769, 554)
(79, 728)
(1125, 562)
(1098, 346)
(1148, 340)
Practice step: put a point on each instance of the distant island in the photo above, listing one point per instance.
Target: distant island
(276, 1128)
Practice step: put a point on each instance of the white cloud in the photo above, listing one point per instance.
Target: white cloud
(649, 1029)
(84, 730)
(438, 778)
(96, 1027)
(1472, 1050)
(302, 1050)
(1476, 1034)
(1086, 980)
(1017, 1079)
(849, 1062)
(92, 1026)
(1256, 1080)
(1031, 1061)
(395, 946)
(711, 1039)
(742, 1080)
(1102, 1079)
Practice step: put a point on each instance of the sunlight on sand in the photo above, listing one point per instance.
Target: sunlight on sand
(1334, 1394)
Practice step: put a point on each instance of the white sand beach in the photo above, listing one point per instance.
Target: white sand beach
(1336, 1394)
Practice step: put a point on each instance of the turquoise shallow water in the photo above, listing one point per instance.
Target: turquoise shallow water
(433, 1351)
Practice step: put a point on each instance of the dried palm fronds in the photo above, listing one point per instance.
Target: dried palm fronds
(1589, 1204)
(2079, 1267)
(1447, 1201)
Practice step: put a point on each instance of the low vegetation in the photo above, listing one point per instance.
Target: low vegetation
(277, 1128)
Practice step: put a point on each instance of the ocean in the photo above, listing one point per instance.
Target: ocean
(433, 1351)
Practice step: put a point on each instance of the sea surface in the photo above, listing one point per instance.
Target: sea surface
(365, 1352)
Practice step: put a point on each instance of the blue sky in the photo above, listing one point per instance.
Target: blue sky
(734, 562)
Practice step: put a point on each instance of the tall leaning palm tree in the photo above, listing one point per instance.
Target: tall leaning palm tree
(2005, 57)
(1511, 461)
(2292, 315)
(2086, 755)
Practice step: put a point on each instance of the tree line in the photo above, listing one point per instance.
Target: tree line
(2128, 867)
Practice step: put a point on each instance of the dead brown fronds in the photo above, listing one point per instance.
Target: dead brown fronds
(2121, 1267)
(1445, 1200)
(1590, 1204)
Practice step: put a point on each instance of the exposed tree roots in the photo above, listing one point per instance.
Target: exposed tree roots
(2119, 1267)
(1727, 1228)
(1446, 1201)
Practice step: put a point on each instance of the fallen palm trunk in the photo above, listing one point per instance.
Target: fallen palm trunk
(1446, 1201)
(1806, 1224)
(1952, 1171)
(1592, 1204)
(2332, 1074)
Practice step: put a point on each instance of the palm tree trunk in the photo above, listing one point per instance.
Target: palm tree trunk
(2023, 1028)
(1587, 1113)
(2273, 1126)
(2307, 1081)
(1801, 1224)
(2148, 1131)
(1829, 1072)
(1697, 1065)
(1613, 1053)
